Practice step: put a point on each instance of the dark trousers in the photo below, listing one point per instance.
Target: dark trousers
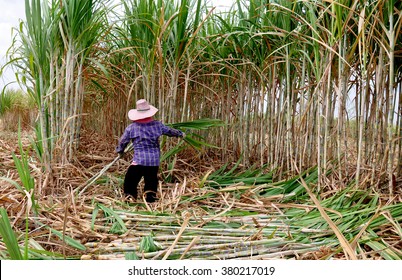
(133, 177)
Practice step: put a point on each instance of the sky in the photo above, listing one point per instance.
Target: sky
(13, 11)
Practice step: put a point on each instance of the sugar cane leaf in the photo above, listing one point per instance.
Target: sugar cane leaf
(381, 249)
(8, 236)
(94, 215)
(131, 256)
(18, 186)
(109, 212)
(69, 240)
(148, 244)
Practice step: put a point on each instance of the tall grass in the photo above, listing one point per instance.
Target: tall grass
(16, 105)
(51, 57)
(288, 77)
(27, 185)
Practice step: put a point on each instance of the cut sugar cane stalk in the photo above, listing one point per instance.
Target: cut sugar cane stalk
(100, 173)
(183, 227)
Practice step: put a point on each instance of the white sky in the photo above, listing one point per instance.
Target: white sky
(12, 12)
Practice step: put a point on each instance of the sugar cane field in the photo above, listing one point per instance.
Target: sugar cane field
(292, 113)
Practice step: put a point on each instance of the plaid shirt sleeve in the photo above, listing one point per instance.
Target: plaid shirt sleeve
(168, 131)
(124, 140)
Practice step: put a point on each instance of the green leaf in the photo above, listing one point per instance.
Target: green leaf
(93, 218)
(148, 245)
(131, 256)
(69, 240)
(118, 226)
(9, 236)
(381, 249)
(200, 124)
(18, 186)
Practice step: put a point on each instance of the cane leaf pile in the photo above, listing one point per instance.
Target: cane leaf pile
(292, 112)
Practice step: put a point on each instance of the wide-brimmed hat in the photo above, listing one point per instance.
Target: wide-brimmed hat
(144, 110)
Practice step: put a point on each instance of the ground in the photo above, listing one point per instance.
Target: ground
(194, 218)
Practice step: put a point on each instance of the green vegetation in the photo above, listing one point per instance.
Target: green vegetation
(8, 236)
(285, 76)
(16, 105)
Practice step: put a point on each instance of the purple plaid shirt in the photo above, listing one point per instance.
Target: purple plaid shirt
(145, 137)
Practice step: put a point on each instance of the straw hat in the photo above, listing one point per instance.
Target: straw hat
(144, 110)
